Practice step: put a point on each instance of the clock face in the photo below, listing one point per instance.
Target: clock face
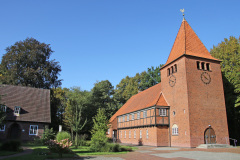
(172, 80)
(205, 77)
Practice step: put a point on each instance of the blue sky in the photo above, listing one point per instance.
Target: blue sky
(98, 40)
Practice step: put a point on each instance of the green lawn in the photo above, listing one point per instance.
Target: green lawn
(42, 153)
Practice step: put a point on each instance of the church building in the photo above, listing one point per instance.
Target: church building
(186, 109)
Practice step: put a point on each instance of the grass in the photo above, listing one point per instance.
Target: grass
(41, 152)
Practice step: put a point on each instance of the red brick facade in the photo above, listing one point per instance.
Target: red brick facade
(184, 107)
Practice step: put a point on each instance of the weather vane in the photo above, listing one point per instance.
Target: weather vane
(182, 10)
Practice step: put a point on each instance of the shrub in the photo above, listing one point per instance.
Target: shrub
(114, 147)
(82, 140)
(63, 135)
(99, 142)
(59, 147)
(47, 135)
(12, 145)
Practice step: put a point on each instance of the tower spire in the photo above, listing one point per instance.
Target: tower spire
(182, 10)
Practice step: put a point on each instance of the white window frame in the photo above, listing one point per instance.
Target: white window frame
(140, 134)
(147, 134)
(134, 133)
(174, 129)
(36, 133)
(17, 110)
(2, 127)
(138, 115)
(119, 119)
(145, 114)
(129, 134)
(125, 134)
(3, 108)
(128, 117)
(132, 116)
(162, 112)
(123, 118)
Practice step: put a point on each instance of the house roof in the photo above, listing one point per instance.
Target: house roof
(34, 103)
(147, 98)
(188, 43)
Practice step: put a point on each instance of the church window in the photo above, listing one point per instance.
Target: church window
(140, 133)
(134, 133)
(198, 65)
(128, 117)
(129, 134)
(174, 129)
(2, 127)
(172, 71)
(208, 66)
(162, 112)
(203, 65)
(17, 110)
(33, 130)
(175, 68)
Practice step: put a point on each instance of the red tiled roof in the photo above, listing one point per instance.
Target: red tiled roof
(34, 103)
(147, 98)
(187, 42)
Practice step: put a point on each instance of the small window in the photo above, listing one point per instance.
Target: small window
(123, 118)
(203, 65)
(134, 133)
(2, 127)
(174, 113)
(129, 134)
(147, 134)
(144, 114)
(168, 72)
(121, 133)
(175, 68)
(3, 108)
(162, 112)
(128, 117)
(208, 66)
(133, 116)
(174, 129)
(138, 115)
(17, 110)
(125, 134)
(140, 133)
(198, 65)
(119, 119)
(33, 130)
(172, 70)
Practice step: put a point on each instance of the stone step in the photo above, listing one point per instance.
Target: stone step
(206, 146)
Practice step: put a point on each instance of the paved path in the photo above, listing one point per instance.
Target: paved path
(169, 153)
(25, 151)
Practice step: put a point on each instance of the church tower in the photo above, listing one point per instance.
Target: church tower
(192, 84)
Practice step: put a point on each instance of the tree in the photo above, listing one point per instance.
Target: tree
(228, 51)
(73, 113)
(28, 63)
(102, 97)
(100, 127)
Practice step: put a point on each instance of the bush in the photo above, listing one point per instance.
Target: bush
(82, 140)
(114, 147)
(12, 145)
(63, 135)
(59, 147)
(47, 135)
(99, 142)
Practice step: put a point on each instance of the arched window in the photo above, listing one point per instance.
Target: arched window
(203, 65)
(198, 65)
(175, 68)
(174, 129)
(208, 66)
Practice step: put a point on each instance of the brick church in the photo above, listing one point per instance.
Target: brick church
(186, 109)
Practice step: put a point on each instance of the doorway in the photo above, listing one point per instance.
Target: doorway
(15, 132)
(209, 136)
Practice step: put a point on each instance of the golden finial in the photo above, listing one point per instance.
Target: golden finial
(182, 10)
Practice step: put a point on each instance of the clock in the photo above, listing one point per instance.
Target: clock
(205, 77)
(172, 80)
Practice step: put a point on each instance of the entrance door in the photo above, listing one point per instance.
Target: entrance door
(15, 131)
(210, 136)
(114, 135)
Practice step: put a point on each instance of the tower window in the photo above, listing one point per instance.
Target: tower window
(203, 65)
(198, 65)
(168, 72)
(175, 68)
(172, 71)
(208, 66)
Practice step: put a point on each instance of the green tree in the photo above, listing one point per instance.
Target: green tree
(77, 101)
(100, 127)
(28, 63)
(228, 51)
(102, 97)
